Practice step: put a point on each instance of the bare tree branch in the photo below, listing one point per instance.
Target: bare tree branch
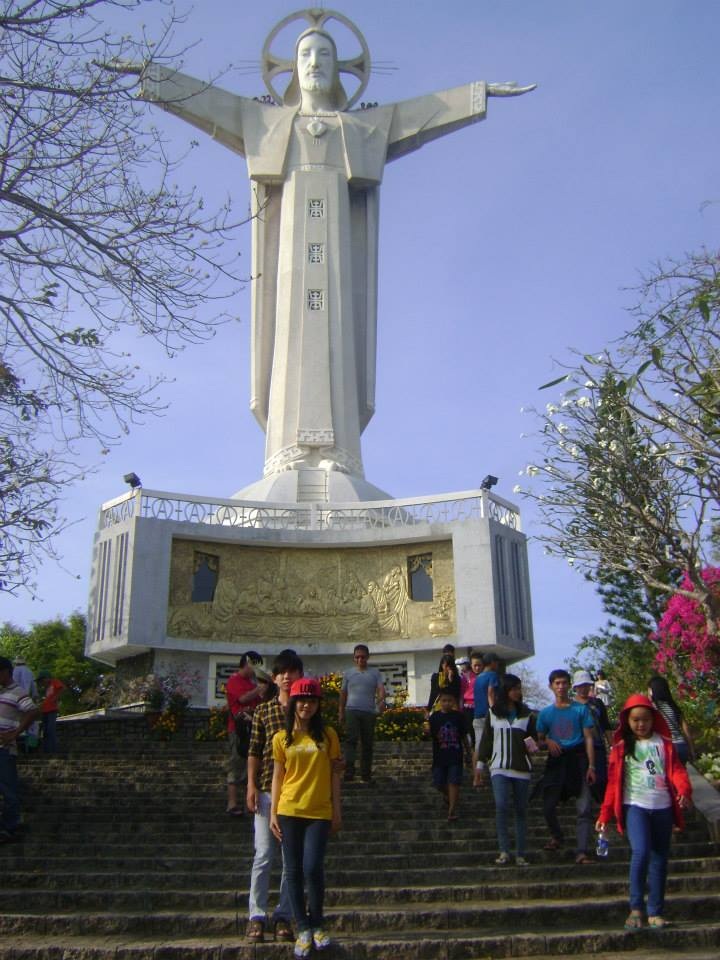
(95, 238)
(628, 472)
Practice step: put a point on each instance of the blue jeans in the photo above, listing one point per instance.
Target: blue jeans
(585, 820)
(265, 847)
(303, 844)
(505, 790)
(10, 817)
(649, 833)
(49, 732)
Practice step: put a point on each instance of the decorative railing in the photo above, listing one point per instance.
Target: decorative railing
(184, 508)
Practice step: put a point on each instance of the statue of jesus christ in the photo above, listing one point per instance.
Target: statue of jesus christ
(316, 169)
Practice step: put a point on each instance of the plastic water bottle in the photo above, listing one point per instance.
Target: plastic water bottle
(603, 846)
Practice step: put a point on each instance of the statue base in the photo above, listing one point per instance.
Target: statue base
(313, 485)
(193, 582)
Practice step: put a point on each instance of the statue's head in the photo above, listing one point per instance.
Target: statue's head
(316, 69)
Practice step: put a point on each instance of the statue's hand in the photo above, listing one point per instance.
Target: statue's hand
(508, 89)
(116, 65)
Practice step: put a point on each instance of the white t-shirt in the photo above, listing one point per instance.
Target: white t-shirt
(644, 781)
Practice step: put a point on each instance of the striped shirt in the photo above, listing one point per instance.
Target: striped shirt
(672, 720)
(14, 702)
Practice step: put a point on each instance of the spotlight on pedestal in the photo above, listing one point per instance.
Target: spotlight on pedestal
(133, 479)
(489, 482)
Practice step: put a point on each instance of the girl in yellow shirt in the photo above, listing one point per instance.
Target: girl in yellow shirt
(306, 807)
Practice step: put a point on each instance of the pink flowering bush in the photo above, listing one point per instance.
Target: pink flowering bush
(685, 645)
(689, 650)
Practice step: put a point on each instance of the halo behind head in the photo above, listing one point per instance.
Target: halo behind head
(273, 65)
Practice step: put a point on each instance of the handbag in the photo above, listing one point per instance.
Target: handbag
(243, 726)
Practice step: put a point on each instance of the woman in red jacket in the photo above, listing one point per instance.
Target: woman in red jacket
(646, 793)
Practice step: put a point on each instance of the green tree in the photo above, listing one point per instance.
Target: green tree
(628, 477)
(57, 646)
(96, 241)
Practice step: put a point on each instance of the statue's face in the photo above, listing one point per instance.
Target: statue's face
(316, 63)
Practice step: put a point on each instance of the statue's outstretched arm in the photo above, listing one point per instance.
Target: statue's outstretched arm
(422, 119)
(210, 108)
(508, 89)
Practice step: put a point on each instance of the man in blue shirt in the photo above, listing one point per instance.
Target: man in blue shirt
(484, 691)
(566, 729)
(486, 683)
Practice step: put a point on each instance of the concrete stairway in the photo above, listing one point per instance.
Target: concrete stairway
(129, 856)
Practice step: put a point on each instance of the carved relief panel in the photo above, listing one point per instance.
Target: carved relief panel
(277, 595)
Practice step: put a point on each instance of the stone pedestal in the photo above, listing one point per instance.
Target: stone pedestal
(199, 581)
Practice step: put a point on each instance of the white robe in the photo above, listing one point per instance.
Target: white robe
(314, 308)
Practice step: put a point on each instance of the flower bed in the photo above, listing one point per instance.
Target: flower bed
(709, 766)
(216, 728)
(398, 724)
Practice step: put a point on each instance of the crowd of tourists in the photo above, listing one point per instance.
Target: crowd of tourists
(476, 718)
(288, 762)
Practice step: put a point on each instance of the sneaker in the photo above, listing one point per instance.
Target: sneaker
(321, 939)
(303, 944)
(503, 859)
(522, 862)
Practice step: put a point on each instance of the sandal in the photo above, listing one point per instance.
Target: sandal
(234, 811)
(283, 931)
(583, 858)
(657, 923)
(634, 921)
(255, 930)
(553, 844)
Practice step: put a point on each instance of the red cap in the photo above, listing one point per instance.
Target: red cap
(306, 687)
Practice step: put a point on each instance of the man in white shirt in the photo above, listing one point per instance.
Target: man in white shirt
(17, 713)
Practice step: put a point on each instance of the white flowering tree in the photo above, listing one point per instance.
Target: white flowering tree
(628, 476)
(97, 244)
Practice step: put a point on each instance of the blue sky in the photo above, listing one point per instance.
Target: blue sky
(501, 247)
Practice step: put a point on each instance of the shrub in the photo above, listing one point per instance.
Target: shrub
(216, 728)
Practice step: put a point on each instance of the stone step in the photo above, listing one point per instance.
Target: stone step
(234, 857)
(130, 856)
(486, 877)
(466, 829)
(507, 915)
(211, 810)
(684, 939)
(165, 897)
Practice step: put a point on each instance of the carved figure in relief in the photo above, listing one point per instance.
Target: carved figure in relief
(312, 603)
(315, 168)
(226, 600)
(396, 594)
